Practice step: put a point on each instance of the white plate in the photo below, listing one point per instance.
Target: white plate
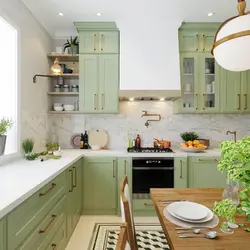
(175, 205)
(191, 211)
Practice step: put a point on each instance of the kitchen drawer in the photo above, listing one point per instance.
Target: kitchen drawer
(143, 207)
(205, 159)
(25, 218)
(48, 227)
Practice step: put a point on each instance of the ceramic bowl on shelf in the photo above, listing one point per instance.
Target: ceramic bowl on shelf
(58, 108)
(57, 104)
(68, 107)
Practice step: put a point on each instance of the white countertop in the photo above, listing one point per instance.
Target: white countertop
(20, 179)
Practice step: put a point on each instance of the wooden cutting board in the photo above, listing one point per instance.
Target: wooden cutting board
(98, 137)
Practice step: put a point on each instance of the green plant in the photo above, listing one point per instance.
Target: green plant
(71, 42)
(189, 136)
(28, 145)
(52, 146)
(5, 125)
(236, 163)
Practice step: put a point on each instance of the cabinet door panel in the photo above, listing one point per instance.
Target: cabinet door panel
(109, 42)
(207, 40)
(88, 85)
(245, 93)
(231, 91)
(99, 187)
(189, 41)
(108, 83)
(88, 42)
(180, 173)
(2, 235)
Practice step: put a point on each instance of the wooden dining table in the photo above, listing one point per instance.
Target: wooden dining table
(239, 240)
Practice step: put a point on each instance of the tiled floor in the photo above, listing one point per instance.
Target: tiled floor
(82, 234)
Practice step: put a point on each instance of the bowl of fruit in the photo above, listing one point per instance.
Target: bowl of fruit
(193, 146)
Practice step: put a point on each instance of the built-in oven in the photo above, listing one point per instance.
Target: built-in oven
(151, 173)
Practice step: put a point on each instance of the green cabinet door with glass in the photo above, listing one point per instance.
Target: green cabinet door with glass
(99, 83)
(203, 173)
(100, 185)
(3, 234)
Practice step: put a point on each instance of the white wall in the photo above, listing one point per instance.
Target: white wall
(35, 43)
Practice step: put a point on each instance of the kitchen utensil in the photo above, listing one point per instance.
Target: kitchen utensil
(161, 143)
(191, 228)
(68, 107)
(194, 231)
(58, 108)
(57, 153)
(193, 150)
(95, 147)
(98, 137)
(209, 235)
(173, 207)
(205, 142)
(191, 211)
(75, 140)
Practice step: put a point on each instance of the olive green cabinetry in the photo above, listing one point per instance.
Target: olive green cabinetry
(181, 172)
(3, 234)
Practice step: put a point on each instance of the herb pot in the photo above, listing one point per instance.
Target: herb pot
(73, 49)
(2, 143)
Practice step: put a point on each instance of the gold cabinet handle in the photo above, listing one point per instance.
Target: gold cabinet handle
(148, 205)
(181, 169)
(74, 184)
(239, 101)
(204, 42)
(94, 42)
(245, 101)
(214, 160)
(204, 102)
(103, 102)
(53, 185)
(197, 41)
(50, 223)
(197, 101)
(125, 167)
(53, 246)
(102, 42)
(71, 189)
(95, 101)
(113, 168)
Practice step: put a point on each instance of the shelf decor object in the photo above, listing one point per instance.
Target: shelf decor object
(231, 41)
(55, 70)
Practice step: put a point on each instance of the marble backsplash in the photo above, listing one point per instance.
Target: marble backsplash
(213, 127)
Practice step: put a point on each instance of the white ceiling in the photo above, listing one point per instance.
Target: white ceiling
(46, 11)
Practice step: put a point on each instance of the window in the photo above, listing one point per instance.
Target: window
(9, 83)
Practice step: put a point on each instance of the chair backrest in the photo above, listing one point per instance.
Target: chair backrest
(122, 243)
(126, 212)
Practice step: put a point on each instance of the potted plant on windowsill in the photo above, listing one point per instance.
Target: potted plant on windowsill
(236, 163)
(5, 125)
(72, 45)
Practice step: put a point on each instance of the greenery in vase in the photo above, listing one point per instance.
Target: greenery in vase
(28, 145)
(236, 163)
(5, 125)
(73, 41)
(189, 136)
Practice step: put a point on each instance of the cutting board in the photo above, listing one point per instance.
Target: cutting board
(98, 137)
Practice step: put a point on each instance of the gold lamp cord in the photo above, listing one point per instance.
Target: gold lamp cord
(242, 12)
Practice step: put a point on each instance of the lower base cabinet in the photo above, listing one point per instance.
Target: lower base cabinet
(3, 234)
(100, 185)
(181, 172)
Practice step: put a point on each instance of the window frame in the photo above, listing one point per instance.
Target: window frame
(4, 159)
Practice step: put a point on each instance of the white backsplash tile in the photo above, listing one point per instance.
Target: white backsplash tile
(129, 120)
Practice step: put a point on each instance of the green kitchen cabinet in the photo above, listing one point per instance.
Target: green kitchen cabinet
(181, 172)
(74, 196)
(100, 185)
(3, 234)
(245, 92)
(208, 40)
(203, 173)
(88, 42)
(99, 83)
(189, 41)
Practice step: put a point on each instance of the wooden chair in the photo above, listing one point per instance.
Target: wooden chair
(122, 243)
(126, 213)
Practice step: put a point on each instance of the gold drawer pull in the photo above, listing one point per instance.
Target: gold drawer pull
(239, 101)
(197, 41)
(214, 160)
(245, 101)
(74, 169)
(148, 205)
(53, 185)
(53, 246)
(181, 169)
(204, 42)
(125, 167)
(50, 223)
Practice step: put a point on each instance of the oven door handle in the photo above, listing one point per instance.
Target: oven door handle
(153, 168)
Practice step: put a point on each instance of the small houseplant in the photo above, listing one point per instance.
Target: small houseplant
(72, 45)
(189, 136)
(28, 145)
(5, 125)
(236, 163)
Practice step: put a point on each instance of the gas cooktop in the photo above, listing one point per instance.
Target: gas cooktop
(150, 150)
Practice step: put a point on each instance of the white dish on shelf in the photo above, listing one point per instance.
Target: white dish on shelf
(57, 105)
(173, 207)
(68, 107)
(58, 108)
(95, 147)
(193, 150)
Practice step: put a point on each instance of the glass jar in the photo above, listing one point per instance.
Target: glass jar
(75, 88)
(65, 88)
(57, 88)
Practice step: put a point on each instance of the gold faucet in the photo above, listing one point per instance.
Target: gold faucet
(232, 133)
(145, 113)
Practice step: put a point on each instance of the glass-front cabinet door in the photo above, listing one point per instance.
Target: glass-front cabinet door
(189, 79)
(208, 84)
